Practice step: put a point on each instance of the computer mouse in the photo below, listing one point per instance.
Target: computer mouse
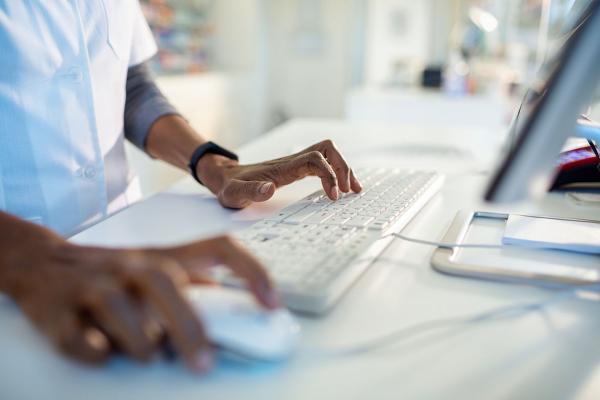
(235, 322)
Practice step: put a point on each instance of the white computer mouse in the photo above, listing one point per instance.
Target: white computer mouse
(234, 321)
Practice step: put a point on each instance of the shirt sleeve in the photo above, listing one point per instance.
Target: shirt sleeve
(143, 46)
(144, 104)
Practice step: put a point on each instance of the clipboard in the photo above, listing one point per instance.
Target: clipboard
(508, 263)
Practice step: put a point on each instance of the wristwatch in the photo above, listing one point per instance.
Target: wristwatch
(208, 148)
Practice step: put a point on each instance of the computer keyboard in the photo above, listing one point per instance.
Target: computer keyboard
(316, 248)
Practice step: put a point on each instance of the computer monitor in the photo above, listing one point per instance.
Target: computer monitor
(548, 114)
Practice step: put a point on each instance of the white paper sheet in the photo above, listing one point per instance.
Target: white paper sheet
(577, 236)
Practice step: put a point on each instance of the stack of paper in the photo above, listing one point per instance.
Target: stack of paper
(550, 233)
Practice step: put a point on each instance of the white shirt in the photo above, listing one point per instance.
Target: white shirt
(63, 69)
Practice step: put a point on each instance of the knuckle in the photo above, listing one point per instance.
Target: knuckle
(315, 159)
(328, 143)
(159, 275)
(344, 169)
(167, 275)
(315, 155)
(129, 262)
(125, 264)
(98, 294)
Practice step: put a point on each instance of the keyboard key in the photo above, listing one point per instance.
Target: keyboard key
(290, 210)
(300, 216)
(309, 245)
(359, 221)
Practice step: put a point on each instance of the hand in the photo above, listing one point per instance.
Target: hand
(92, 301)
(237, 186)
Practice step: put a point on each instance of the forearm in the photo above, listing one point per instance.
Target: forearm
(155, 126)
(173, 140)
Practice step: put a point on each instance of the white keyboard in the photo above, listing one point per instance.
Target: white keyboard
(316, 248)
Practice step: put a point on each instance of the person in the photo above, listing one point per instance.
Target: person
(73, 85)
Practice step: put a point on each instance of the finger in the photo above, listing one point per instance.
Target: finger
(78, 340)
(239, 194)
(227, 251)
(312, 164)
(338, 163)
(355, 184)
(181, 323)
(151, 323)
(200, 279)
(116, 315)
(246, 266)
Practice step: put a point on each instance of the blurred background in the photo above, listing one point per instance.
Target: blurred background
(239, 68)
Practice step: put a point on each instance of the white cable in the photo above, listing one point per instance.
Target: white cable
(412, 331)
(447, 245)
(397, 336)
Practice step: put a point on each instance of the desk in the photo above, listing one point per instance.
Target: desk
(548, 354)
(415, 105)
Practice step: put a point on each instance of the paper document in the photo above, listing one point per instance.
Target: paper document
(581, 237)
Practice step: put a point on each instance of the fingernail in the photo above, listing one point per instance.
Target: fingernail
(335, 193)
(203, 362)
(273, 299)
(265, 187)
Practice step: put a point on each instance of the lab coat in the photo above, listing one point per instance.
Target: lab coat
(63, 69)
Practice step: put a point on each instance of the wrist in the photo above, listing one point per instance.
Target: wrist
(212, 171)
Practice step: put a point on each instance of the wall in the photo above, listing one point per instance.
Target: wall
(403, 36)
(315, 55)
(242, 53)
(398, 39)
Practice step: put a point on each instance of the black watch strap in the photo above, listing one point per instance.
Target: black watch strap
(208, 148)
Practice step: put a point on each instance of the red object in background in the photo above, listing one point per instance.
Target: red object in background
(577, 158)
(578, 169)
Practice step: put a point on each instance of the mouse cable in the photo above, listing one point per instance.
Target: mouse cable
(412, 331)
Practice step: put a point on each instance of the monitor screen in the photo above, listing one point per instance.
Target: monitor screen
(547, 115)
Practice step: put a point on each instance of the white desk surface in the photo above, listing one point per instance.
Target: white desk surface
(546, 354)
